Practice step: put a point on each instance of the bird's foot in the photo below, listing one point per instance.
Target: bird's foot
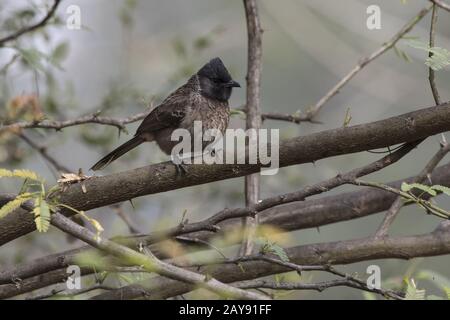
(181, 169)
(179, 166)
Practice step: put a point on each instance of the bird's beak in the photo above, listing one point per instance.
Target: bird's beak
(232, 84)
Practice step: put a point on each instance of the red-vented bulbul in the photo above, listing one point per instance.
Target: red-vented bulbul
(203, 98)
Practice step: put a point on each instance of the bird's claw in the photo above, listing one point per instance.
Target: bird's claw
(181, 170)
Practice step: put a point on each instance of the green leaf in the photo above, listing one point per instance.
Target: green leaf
(439, 59)
(33, 58)
(42, 215)
(443, 189)
(202, 43)
(237, 112)
(406, 187)
(268, 247)
(4, 173)
(402, 54)
(59, 54)
(98, 227)
(280, 252)
(347, 118)
(14, 204)
(411, 291)
(20, 173)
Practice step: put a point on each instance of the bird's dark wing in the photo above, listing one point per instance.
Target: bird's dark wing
(168, 114)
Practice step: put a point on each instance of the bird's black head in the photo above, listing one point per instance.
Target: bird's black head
(215, 80)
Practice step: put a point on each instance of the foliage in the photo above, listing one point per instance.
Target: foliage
(266, 246)
(439, 59)
(33, 190)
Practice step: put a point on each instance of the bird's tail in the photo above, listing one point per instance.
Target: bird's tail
(118, 152)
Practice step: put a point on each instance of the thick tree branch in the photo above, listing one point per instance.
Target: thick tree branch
(106, 190)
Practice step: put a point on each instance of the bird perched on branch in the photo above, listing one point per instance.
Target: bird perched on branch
(203, 98)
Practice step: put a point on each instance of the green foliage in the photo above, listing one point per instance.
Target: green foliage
(442, 189)
(431, 190)
(32, 181)
(439, 59)
(427, 205)
(411, 291)
(402, 54)
(59, 54)
(33, 58)
(41, 213)
(14, 204)
(267, 246)
(237, 112)
(347, 118)
(20, 173)
(406, 187)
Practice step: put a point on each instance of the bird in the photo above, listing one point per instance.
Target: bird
(204, 97)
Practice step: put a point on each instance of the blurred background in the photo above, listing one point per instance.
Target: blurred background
(130, 53)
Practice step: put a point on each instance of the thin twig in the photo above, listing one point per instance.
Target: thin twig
(313, 110)
(34, 27)
(431, 73)
(59, 125)
(441, 4)
(43, 152)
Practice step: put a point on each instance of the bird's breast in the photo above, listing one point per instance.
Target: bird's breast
(213, 114)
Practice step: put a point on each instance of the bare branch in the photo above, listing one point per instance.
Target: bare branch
(431, 76)
(59, 125)
(43, 151)
(253, 111)
(442, 4)
(313, 110)
(34, 27)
